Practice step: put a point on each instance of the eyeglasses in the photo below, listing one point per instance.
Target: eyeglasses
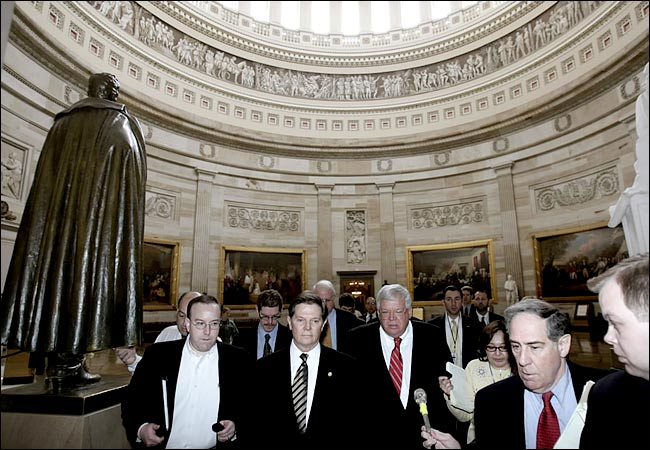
(397, 312)
(274, 318)
(202, 325)
(493, 348)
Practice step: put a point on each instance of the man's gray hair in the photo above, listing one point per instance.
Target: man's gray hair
(557, 323)
(392, 292)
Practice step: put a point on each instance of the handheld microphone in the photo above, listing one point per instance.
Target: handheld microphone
(420, 398)
(217, 427)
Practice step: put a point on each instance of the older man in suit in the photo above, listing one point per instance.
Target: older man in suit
(307, 400)
(269, 335)
(459, 331)
(531, 409)
(339, 322)
(397, 357)
(181, 388)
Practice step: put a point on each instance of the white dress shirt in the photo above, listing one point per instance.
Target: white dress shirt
(455, 341)
(312, 370)
(406, 350)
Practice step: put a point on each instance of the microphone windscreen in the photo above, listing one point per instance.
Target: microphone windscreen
(420, 396)
(217, 427)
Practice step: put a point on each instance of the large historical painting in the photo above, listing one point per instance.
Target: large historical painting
(431, 268)
(247, 271)
(160, 273)
(566, 259)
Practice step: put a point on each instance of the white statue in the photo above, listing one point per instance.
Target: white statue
(512, 294)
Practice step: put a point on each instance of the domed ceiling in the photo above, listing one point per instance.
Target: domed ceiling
(480, 73)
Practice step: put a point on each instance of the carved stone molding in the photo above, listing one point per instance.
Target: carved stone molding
(265, 219)
(161, 204)
(355, 236)
(463, 213)
(562, 123)
(577, 190)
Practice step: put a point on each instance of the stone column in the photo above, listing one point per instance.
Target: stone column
(305, 16)
(395, 9)
(365, 16)
(324, 234)
(245, 8)
(201, 249)
(275, 12)
(336, 13)
(387, 232)
(511, 250)
(425, 11)
(7, 17)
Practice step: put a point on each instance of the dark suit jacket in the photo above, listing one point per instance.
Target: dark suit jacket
(345, 321)
(390, 425)
(471, 330)
(491, 315)
(143, 400)
(334, 411)
(247, 339)
(502, 405)
(617, 413)
(374, 319)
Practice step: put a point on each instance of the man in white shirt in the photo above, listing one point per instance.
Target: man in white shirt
(483, 313)
(170, 333)
(339, 322)
(181, 389)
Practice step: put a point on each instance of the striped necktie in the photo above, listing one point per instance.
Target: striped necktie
(396, 366)
(299, 392)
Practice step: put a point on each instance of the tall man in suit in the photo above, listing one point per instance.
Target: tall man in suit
(399, 356)
(185, 386)
(322, 414)
(467, 292)
(339, 322)
(460, 332)
(255, 340)
(482, 312)
(617, 412)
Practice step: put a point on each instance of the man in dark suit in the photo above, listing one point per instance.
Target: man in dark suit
(254, 340)
(371, 311)
(458, 331)
(482, 312)
(397, 357)
(467, 293)
(181, 388)
(617, 412)
(541, 344)
(323, 414)
(339, 322)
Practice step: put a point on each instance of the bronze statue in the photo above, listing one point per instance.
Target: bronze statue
(74, 284)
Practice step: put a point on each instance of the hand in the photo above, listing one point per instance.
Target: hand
(228, 433)
(438, 439)
(149, 436)
(445, 385)
(127, 355)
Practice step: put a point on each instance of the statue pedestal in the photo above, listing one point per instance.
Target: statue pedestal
(82, 417)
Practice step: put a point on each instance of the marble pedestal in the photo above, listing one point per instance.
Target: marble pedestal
(83, 417)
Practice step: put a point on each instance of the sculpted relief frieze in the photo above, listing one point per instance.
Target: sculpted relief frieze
(263, 219)
(578, 190)
(186, 50)
(462, 213)
(355, 236)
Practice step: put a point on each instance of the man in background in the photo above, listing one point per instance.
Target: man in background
(171, 333)
(482, 311)
(617, 411)
(339, 322)
(269, 335)
(371, 310)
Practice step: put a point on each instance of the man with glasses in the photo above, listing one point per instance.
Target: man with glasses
(182, 389)
(171, 333)
(339, 322)
(398, 356)
(269, 335)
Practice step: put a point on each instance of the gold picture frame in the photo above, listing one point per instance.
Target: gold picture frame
(566, 259)
(431, 268)
(246, 271)
(160, 274)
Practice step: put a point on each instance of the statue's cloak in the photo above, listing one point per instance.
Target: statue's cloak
(74, 283)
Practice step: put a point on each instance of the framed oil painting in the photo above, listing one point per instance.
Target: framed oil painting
(431, 268)
(246, 271)
(565, 260)
(160, 274)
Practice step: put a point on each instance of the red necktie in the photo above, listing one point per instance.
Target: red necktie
(548, 428)
(395, 368)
